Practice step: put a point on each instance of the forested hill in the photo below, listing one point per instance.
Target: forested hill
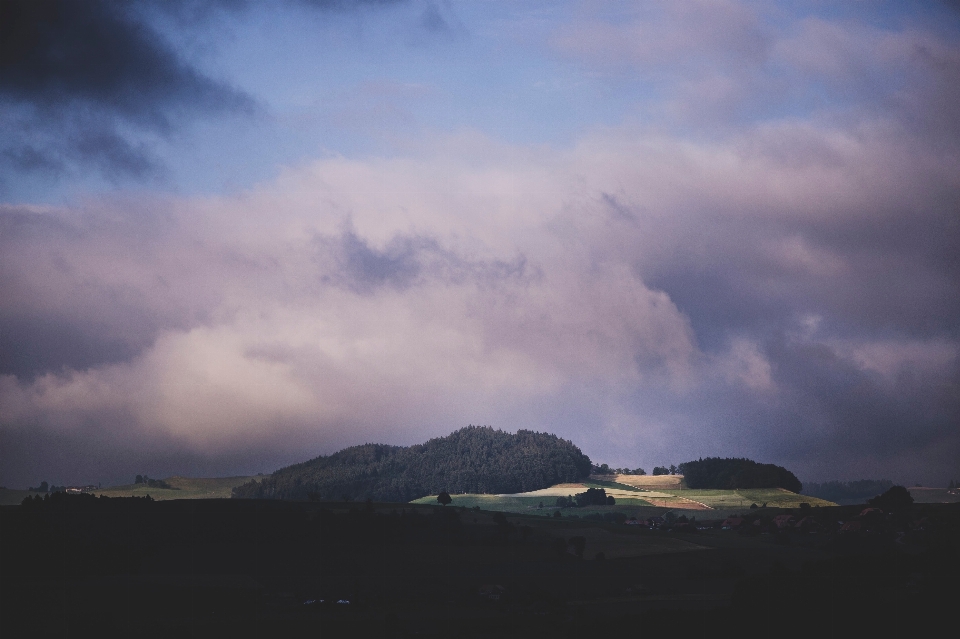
(716, 472)
(471, 460)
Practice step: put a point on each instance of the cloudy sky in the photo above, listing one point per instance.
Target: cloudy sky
(237, 235)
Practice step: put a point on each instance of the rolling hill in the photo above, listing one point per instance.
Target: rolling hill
(471, 460)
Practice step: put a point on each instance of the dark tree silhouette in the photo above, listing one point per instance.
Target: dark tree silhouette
(592, 497)
(444, 498)
(897, 499)
(471, 460)
(723, 473)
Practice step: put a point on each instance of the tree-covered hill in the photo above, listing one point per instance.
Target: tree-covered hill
(471, 460)
(717, 472)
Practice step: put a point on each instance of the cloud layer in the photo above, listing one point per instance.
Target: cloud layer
(785, 288)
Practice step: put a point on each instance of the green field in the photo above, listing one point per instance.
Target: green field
(705, 504)
(181, 488)
(743, 498)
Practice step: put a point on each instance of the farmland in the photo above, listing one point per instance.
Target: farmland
(637, 494)
(180, 488)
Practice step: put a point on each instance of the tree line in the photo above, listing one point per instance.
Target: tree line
(153, 483)
(737, 472)
(475, 459)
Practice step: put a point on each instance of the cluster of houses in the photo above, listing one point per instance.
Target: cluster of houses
(76, 490)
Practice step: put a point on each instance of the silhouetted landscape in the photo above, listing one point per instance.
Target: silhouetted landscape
(78, 563)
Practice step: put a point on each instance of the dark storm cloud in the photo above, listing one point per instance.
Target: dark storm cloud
(31, 346)
(73, 75)
(405, 261)
(94, 454)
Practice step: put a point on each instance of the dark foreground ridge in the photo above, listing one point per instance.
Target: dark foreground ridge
(80, 566)
(471, 460)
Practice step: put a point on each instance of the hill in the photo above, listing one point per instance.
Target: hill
(725, 473)
(471, 460)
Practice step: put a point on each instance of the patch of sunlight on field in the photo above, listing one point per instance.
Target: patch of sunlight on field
(644, 481)
(669, 493)
(568, 490)
(667, 486)
(559, 490)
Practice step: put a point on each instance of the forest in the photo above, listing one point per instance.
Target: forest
(726, 473)
(475, 459)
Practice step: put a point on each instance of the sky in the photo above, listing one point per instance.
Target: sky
(237, 235)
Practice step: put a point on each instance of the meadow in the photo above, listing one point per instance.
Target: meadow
(636, 495)
(180, 488)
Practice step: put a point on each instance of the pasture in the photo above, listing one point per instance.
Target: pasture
(636, 495)
(180, 488)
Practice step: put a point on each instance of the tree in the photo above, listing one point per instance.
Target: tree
(444, 498)
(138, 480)
(896, 499)
(592, 497)
(610, 500)
(661, 470)
(673, 469)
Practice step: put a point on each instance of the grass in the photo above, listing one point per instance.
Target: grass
(665, 492)
(743, 498)
(181, 488)
(600, 483)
